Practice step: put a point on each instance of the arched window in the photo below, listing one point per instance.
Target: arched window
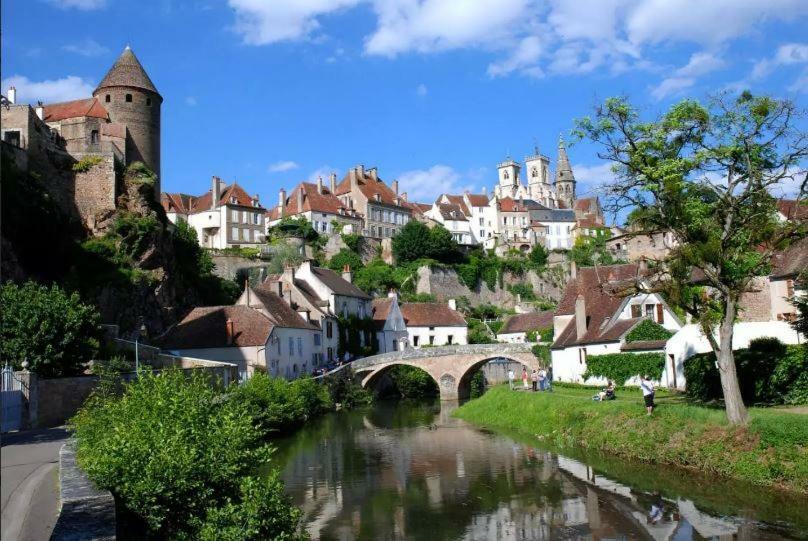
(505, 174)
(129, 98)
(534, 173)
(107, 98)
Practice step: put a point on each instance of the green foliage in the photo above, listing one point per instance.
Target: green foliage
(346, 391)
(538, 256)
(477, 385)
(86, 163)
(353, 333)
(352, 241)
(51, 329)
(486, 311)
(540, 335)
(620, 367)
(246, 252)
(495, 325)
(417, 241)
(478, 333)
(345, 257)
(800, 323)
(419, 297)
(284, 254)
(442, 246)
(279, 406)
(412, 382)
(481, 267)
(591, 251)
(768, 372)
(377, 277)
(542, 353)
(298, 227)
(178, 456)
(523, 289)
(196, 267)
(648, 330)
(139, 173)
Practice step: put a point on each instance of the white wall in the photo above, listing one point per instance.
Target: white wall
(670, 321)
(441, 334)
(567, 365)
(690, 341)
(244, 357)
(512, 337)
(282, 362)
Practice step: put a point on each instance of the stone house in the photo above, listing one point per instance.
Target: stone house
(434, 324)
(391, 331)
(516, 327)
(318, 204)
(594, 317)
(267, 335)
(384, 209)
(225, 216)
(452, 216)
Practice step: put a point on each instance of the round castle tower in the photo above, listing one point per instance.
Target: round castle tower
(131, 98)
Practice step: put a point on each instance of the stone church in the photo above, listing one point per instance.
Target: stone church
(559, 194)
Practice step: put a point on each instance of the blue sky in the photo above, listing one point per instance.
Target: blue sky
(433, 93)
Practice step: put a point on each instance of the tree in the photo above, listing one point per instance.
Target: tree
(345, 257)
(51, 329)
(442, 246)
(538, 256)
(706, 174)
(590, 251)
(283, 255)
(800, 324)
(412, 242)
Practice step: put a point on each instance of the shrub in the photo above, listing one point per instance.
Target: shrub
(352, 241)
(413, 382)
(540, 335)
(524, 290)
(648, 330)
(87, 163)
(345, 257)
(542, 353)
(177, 455)
(344, 390)
(478, 333)
(51, 329)
(620, 367)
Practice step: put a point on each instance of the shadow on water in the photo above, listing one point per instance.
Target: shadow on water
(410, 470)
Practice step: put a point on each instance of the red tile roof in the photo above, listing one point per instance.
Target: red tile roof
(450, 211)
(793, 210)
(532, 321)
(508, 204)
(74, 109)
(176, 202)
(431, 314)
(194, 204)
(206, 327)
(370, 188)
(313, 201)
(380, 310)
(478, 200)
(458, 201)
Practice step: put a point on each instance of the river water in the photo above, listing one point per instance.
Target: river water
(406, 470)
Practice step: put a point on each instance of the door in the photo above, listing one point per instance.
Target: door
(11, 398)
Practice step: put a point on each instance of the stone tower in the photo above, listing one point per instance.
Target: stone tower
(508, 172)
(565, 180)
(131, 98)
(538, 178)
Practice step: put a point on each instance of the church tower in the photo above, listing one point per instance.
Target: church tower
(565, 180)
(131, 98)
(538, 178)
(508, 172)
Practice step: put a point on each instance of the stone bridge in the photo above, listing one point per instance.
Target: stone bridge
(450, 366)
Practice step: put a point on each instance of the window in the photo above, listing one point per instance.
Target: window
(234, 233)
(316, 339)
(649, 310)
(299, 346)
(330, 354)
(129, 98)
(245, 234)
(279, 347)
(582, 355)
(94, 137)
(482, 221)
(12, 138)
(107, 98)
(415, 340)
(450, 339)
(291, 346)
(234, 215)
(636, 310)
(148, 102)
(431, 340)
(329, 329)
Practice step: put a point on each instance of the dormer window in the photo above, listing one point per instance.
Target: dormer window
(233, 200)
(378, 197)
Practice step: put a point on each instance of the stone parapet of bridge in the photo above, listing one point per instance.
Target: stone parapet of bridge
(450, 366)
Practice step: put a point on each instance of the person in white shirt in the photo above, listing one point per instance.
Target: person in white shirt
(647, 387)
(510, 378)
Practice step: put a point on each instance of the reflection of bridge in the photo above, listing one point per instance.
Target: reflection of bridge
(450, 366)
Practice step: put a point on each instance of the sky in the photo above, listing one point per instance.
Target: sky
(433, 93)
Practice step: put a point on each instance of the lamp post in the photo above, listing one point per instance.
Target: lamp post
(140, 333)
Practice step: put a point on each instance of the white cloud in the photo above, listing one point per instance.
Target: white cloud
(591, 177)
(88, 47)
(425, 185)
(260, 22)
(524, 58)
(49, 91)
(787, 54)
(683, 78)
(190, 101)
(286, 165)
(801, 84)
(84, 5)
(421, 90)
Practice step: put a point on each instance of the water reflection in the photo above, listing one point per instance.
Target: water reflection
(411, 471)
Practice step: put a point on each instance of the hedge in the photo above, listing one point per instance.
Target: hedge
(648, 330)
(620, 367)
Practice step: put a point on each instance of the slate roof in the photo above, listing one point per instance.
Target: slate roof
(380, 310)
(337, 283)
(431, 314)
(127, 71)
(205, 327)
(644, 345)
(280, 314)
(450, 211)
(531, 321)
(87, 107)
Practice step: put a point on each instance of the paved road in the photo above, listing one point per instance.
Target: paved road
(30, 496)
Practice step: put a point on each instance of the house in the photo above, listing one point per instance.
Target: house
(434, 324)
(516, 327)
(274, 338)
(384, 209)
(226, 216)
(317, 204)
(391, 331)
(453, 217)
(595, 315)
(631, 246)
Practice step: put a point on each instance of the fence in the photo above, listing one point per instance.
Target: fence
(11, 400)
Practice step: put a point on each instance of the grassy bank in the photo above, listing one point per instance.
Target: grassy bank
(771, 451)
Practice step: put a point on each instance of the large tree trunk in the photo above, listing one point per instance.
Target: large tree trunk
(733, 402)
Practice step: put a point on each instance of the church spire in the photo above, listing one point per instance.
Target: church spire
(127, 71)
(563, 167)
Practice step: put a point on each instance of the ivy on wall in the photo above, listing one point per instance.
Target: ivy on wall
(351, 330)
(648, 330)
(542, 353)
(540, 335)
(619, 367)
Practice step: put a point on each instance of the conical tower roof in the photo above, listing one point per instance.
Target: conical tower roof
(127, 71)
(563, 167)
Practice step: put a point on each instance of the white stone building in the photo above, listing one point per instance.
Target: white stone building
(434, 324)
(516, 327)
(391, 331)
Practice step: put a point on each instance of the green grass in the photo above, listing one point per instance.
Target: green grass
(772, 450)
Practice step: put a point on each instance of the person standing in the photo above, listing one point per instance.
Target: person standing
(550, 378)
(524, 379)
(510, 378)
(542, 379)
(648, 393)
(534, 377)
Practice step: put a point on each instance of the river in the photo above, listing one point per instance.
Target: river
(409, 470)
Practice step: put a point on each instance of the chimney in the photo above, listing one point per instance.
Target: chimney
(642, 267)
(40, 110)
(300, 198)
(288, 275)
(404, 196)
(393, 294)
(580, 317)
(215, 193)
(12, 95)
(360, 171)
(347, 275)
(374, 173)
(573, 270)
(320, 185)
(281, 201)
(230, 331)
(395, 187)
(352, 178)
(452, 305)
(333, 178)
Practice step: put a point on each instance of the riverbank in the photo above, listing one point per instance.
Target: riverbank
(772, 450)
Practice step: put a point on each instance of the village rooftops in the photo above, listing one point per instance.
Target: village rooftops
(207, 327)
(87, 107)
(478, 200)
(380, 310)
(431, 314)
(315, 199)
(457, 200)
(337, 284)
(450, 211)
(371, 186)
(232, 194)
(531, 321)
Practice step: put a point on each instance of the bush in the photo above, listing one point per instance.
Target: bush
(620, 367)
(278, 406)
(648, 330)
(345, 257)
(524, 290)
(179, 456)
(540, 335)
(413, 382)
(87, 163)
(344, 390)
(769, 372)
(352, 241)
(542, 353)
(51, 329)
(478, 333)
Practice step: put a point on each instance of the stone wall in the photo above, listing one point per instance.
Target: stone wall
(756, 305)
(61, 398)
(228, 267)
(95, 189)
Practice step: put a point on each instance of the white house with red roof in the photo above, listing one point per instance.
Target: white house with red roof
(434, 324)
(317, 204)
(391, 330)
(385, 210)
(226, 216)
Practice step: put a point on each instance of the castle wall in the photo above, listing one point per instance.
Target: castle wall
(95, 188)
